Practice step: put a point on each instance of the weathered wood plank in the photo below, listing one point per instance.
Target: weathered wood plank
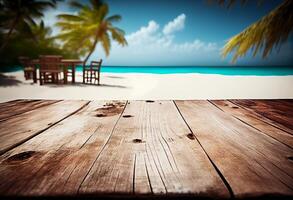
(249, 118)
(252, 163)
(4, 104)
(94, 151)
(17, 130)
(276, 113)
(22, 107)
(8, 105)
(62, 155)
(150, 152)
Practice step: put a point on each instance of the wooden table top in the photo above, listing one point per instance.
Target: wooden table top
(216, 149)
(75, 61)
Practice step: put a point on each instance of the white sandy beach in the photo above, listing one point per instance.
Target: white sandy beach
(138, 86)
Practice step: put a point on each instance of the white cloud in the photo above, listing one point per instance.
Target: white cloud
(150, 45)
(196, 45)
(144, 33)
(151, 38)
(176, 25)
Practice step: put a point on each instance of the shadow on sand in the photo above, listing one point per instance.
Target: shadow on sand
(6, 81)
(85, 85)
(117, 77)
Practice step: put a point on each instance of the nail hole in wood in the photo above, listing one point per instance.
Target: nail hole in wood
(21, 156)
(127, 116)
(137, 140)
(235, 107)
(191, 136)
(149, 101)
(290, 158)
(100, 115)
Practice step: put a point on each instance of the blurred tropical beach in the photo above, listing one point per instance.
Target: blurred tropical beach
(146, 99)
(170, 55)
(181, 40)
(141, 86)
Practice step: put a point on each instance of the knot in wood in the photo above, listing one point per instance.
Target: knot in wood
(21, 156)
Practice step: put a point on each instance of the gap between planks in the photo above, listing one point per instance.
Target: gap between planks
(9, 147)
(137, 158)
(30, 105)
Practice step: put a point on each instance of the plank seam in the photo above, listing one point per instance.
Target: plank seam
(226, 183)
(89, 137)
(257, 114)
(256, 151)
(7, 118)
(111, 133)
(260, 153)
(277, 178)
(250, 125)
(41, 131)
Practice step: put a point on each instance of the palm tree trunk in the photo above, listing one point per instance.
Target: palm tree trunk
(92, 50)
(13, 25)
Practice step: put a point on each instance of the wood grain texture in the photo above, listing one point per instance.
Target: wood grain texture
(9, 105)
(149, 153)
(12, 102)
(277, 113)
(250, 119)
(214, 149)
(20, 107)
(17, 130)
(62, 155)
(247, 159)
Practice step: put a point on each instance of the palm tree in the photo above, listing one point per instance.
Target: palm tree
(24, 12)
(41, 34)
(265, 34)
(82, 32)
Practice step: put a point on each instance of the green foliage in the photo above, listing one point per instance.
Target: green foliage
(20, 35)
(25, 45)
(23, 13)
(269, 32)
(83, 31)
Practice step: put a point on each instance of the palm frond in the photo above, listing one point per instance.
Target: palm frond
(114, 18)
(103, 11)
(106, 43)
(76, 4)
(118, 35)
(88, 27)
(68, 17)
(270, 31)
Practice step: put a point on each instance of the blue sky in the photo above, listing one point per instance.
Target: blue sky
(180, 32)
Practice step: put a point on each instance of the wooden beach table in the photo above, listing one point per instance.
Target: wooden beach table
(191, 149)
(67, 64)
(70, 64)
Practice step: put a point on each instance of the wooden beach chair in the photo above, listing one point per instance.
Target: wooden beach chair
(91, 74)
(50, 69)
(30, 71)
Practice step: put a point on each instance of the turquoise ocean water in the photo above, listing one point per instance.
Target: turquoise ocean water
(223, 70)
